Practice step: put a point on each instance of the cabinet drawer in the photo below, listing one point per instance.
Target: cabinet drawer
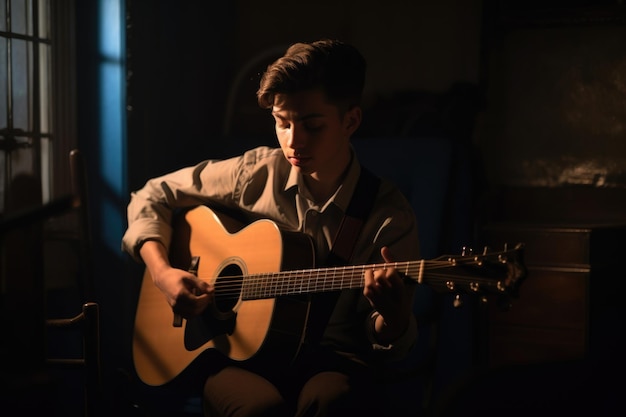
(549, 297)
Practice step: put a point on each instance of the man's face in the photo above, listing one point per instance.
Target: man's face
(312, 133)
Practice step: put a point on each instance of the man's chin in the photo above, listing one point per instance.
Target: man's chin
(302, 168)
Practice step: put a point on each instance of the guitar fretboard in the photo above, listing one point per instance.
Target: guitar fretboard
(307, 281)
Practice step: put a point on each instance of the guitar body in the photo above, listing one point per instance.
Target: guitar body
(222, 252)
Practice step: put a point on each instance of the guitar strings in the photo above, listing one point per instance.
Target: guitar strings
(293, 282)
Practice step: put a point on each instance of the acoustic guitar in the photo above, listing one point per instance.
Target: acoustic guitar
(261, 291)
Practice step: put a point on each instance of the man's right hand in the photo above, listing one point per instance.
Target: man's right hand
(185, 293)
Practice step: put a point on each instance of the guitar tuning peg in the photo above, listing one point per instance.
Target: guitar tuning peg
(465, 251)
(457, 301)
(485, 250)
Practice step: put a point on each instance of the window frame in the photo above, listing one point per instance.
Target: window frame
(46, 147)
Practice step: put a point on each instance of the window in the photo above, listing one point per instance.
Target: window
(30, 52)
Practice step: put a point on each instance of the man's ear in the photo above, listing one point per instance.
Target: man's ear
(352, 119)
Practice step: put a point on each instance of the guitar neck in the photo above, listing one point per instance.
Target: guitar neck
(308, 281)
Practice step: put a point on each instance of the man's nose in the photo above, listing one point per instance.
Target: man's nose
(297, 137)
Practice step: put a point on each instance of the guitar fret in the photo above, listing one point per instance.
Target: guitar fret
(266, 287)
(247, 289)
(309, 281)
(291, 284)
(300, 281)
(284, 286)
(258, 288)
(318, 282)
(262, 286)
(271, 286)
(299, 284)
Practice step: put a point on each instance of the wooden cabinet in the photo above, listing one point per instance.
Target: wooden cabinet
(569, 305)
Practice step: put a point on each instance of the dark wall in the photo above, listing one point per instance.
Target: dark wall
(179, 66)
(553, 134)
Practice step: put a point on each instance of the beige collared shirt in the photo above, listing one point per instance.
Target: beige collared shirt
(261, 184)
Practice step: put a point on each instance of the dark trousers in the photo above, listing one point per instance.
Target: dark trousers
(318, 384)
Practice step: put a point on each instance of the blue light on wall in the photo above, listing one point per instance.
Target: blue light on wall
(112, 119)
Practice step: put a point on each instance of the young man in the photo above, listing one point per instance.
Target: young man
(314, 94)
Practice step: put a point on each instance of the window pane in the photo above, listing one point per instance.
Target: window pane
(24, 184)
(44, 16)
(21, 73)
(44, 83)
(21, 158)
(46, 169)
(21, 21)
(3, 16)
(4, 86)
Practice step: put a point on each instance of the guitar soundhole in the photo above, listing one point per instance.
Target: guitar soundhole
(228, 288)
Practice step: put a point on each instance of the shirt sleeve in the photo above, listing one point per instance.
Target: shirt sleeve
(401, 346)
(151, 208)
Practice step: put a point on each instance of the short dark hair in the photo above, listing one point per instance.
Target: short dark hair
(332, 66)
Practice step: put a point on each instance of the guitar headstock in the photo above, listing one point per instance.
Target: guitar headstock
(488, 272)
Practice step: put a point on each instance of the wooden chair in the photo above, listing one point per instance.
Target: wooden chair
(85, 323)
